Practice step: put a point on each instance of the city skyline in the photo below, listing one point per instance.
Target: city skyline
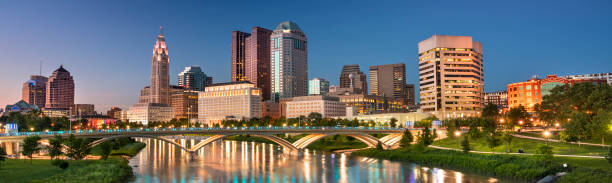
(85, 46)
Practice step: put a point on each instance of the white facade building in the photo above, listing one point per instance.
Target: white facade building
(318, 86)
(325, 105)
(236, 100)
(150, 112)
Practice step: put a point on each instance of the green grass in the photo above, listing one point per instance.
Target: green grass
(528, 145)
(17, 171)
(555, 135)
(103, 171)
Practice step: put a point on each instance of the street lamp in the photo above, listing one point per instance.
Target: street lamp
(557, 125)
(501, 120)
(521, 122)
(546, 134)
(457, 134)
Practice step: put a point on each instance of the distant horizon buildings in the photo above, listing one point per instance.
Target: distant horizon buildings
(289, 61)
(389, 81)
(60, 90)
(451, 76)
(318, 86)
(352, 77)
(34, 91)
(193, 78)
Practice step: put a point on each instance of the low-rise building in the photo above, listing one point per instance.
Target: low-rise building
(150, 112)
(404, 119)
(498, 98)
(83, 109)
(56, 112)
(234, 100)
(325, 105)
(372, 104)
(271, 109)
(184, 103)
(20, 106)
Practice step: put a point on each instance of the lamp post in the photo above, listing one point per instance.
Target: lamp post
(546, 134)
(457, 134)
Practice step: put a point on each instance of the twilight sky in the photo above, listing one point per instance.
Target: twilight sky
(107, 45)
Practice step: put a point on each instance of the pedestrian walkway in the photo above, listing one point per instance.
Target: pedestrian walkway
(554, 140)
(528, 154)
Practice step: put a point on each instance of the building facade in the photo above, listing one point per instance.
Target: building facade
(238, 57)
(21, 106)
(498, 98)
(185, 104)
(289, 62)
(318, 86)
(258, 60)
(371, 104)
(271, 109)
(114, 112)
(192, 78)
(160, 77)
(410, 100)
(60, 90)
(352, 77)
(451, 76)
(150, 112)
(34, 91)
(235, 100)
(325, 105)
(388, 80)
(83, 109)
(599, 76)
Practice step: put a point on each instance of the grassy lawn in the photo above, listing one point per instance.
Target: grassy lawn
(16, 171)
(555, 135)
(528, 145)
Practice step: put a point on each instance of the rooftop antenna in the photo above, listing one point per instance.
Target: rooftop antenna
(161, 29)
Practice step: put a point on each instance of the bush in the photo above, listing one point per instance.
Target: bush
(112, 170)
(63, 164)
(465, 144)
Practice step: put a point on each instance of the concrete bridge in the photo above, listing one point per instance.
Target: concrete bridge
(315, 133)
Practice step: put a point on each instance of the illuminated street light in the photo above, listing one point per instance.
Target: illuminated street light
(557, 125)
(457, 134)
(31, 128)
(521, 122)
(546, 134)
(501, 120)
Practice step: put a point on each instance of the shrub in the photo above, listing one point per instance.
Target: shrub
(63, 164)
(465, 144)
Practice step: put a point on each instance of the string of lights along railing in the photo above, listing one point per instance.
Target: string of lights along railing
(216, 129)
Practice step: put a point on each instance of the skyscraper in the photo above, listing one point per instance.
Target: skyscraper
(388, 80)
(289, 61)
(160, 78)
(239, 55)
(251, 58)
(451, 75)
(358, 79)
(318, 86)
(192, 78)
(258, 60)
(60, 90)
(34, 91)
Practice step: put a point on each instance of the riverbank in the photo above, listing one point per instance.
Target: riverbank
(114, 169)
(513, 167)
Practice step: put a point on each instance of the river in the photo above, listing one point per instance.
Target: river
(232, 161)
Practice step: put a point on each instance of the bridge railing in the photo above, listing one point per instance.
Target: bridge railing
(198, 129)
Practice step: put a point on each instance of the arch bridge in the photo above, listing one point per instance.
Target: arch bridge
(314, 134)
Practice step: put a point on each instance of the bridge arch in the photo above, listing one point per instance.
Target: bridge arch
(94, 143)
(309, 139)
(282, 142)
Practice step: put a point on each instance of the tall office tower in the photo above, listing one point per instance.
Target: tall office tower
(388, 80)
(358, 79)
(192, 78)
(34, 91)
(258, 60)
(239, 55)
(60, 90)
(289, 62)
(160, 78)
(451, 76)
(318, 86)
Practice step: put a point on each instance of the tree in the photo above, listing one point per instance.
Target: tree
(407, 139)
(55, 147)
(568, 138)
(576, 126)
(515, 115)
(393, 122)
(78, 148)
(379, 146)
(2, 155)
(30, 146)
(465, 144)
(490, 111)
(106, 148)
(508, 137)
(426, 137)
(600, 125)
(492, 141)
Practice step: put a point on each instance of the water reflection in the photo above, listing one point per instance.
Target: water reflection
(231, 161)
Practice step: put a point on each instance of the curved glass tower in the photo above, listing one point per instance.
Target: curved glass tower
(289, 61)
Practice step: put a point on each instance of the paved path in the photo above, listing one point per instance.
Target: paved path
(554, 140)
(529, 154)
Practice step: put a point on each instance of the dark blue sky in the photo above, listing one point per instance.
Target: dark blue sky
(107, 45)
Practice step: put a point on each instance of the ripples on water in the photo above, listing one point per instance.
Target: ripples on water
(232, 161)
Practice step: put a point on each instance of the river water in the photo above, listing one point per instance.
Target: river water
(232, 161)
